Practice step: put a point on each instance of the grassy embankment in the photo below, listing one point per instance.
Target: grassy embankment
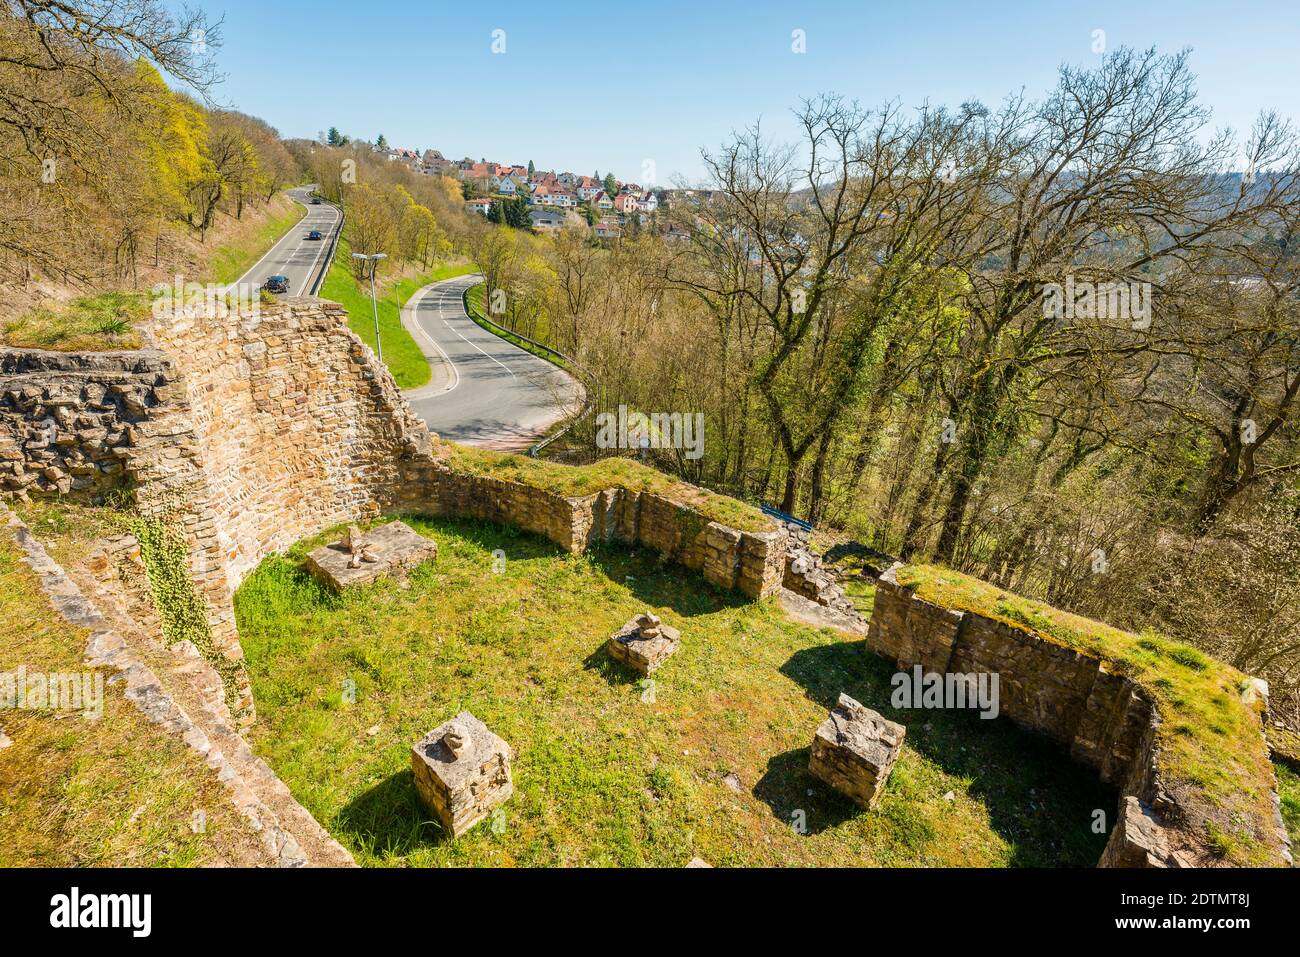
(401, 353)
(709, 761)
(107, 320)
(117, 791)
(1210, 739)
(475, 300)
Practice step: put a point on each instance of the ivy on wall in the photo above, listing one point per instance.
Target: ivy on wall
(181, 609)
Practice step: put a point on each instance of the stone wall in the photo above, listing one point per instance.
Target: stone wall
(748, 562)
(69, 423)
(253, 432)
(1106, 721)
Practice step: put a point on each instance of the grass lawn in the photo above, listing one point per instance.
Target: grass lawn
(1210, 739)
(117, 791)
(101, 322)
(710, 760)
(233, 259)
(401, 353)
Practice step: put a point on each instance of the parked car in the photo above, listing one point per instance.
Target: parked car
(276, 284)
(315, 234)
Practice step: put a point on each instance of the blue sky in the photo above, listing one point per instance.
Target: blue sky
(608, 86)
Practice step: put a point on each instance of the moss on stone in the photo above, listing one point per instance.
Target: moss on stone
(1209, 737)
(574, 481)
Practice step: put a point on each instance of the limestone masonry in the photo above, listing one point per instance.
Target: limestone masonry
(249, 434)
(462, 772)
(854, 750)
(1107, 721)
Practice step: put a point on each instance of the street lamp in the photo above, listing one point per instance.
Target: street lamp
(373, 259)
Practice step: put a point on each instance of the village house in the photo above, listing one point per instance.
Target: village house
(626, 203)
(481, 205)
(547, 220)
(606, 229)
(601, 201)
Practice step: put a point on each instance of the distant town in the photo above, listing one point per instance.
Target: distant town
(554, 201)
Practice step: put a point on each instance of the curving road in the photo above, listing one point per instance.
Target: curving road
(294, 255)
(484, 391)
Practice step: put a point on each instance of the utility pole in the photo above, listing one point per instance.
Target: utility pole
(373, 259)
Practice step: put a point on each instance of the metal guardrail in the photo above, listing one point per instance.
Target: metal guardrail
(334, 245)
(570, 366)
(782, 516)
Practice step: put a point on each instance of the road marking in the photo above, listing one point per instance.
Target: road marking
(414, 306)
(319, 252)
(274, 247)
(492, 357)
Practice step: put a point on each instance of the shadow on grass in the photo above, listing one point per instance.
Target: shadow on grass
(612, 671)
(785, 787)
(1038, 799)
(659, 582)
(390, 820)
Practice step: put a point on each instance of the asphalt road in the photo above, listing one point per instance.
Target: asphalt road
(296, 256)
(484, 391)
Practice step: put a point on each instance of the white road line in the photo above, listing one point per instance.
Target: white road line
(319, 252)
(414, 306)
(274, 247)
(490, 356)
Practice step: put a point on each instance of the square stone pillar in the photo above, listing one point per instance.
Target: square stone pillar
(462, 772)
(855, 749)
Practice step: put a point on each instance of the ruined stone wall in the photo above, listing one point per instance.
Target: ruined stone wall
(748, 562)
(252, 432)
(1106, 721)
(298, 430)
(70, 423)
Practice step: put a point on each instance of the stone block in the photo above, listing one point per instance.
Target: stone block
(644, 643)
(390, 550)
(854, 750)
(462, 772)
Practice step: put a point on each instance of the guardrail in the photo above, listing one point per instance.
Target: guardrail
(565, 362)
(789, 519)
(334, 245)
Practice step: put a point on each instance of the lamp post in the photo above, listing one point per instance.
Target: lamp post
(373, 259)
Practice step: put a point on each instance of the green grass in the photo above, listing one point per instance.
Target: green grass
(117, 791)
(475, 301)
(603, 775)
(1288, 789)
(88, 323)
(232, 260)
(579, 480)
(1210, 740)
(401, 352)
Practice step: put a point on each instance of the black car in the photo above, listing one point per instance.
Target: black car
(276, 284)
(315, 200)
(315, 234)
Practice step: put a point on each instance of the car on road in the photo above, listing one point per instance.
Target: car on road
(315, 200)
(276, 284)
(315, 234)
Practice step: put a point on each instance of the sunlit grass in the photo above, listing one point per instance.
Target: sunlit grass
(714, 765)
